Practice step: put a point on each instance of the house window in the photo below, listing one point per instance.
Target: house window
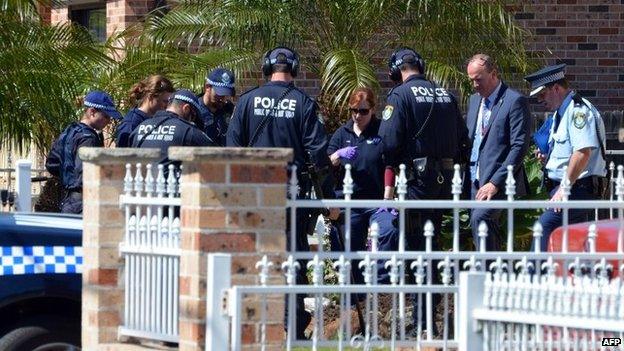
(94, 19)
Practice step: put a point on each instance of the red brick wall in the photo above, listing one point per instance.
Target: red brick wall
(586, 35)
(121, 14)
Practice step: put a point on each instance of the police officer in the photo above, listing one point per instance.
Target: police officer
(63, 160)
(216, 104)
(173, 126)
(423, 129)
(577, 141)
(358, 143)
(278, 114)
(151, 95)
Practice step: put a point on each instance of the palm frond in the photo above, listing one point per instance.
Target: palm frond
(43, 69)
(343, 71)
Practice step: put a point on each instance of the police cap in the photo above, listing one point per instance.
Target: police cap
(100, 100)
(188, 97)
(222, 81)
(545, 76)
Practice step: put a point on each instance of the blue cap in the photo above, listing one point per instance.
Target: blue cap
(187, 96)
(545, 76)
(102, 101)
(222, 81)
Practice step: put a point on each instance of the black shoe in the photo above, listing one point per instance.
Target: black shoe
(303, 320)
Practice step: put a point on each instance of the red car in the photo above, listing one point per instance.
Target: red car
(606, 238)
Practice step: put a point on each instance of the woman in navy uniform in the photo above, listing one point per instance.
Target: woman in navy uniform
(63, 160)
(151, 95)
(358, 143)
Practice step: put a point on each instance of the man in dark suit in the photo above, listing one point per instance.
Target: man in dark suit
(499, 126)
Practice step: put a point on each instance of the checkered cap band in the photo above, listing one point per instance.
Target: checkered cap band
(274, 61)
(18, 260)
(548, 79)
(100, 107)
(220, 84)
(188, 100)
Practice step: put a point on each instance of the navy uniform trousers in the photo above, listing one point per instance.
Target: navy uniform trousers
(550, 220)
(361, 220)
(72, 202)
(432, 184)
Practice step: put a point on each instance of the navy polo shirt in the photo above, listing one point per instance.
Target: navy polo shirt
(406, 112)
(168, 129)
(131, 120)
(367, 169)
(63, 160)
(215, 124)
(292, 122)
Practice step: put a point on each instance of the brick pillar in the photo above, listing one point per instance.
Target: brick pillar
(103, 229)
(59, 14)
(45, 11)
(120, 14)
(233, 200)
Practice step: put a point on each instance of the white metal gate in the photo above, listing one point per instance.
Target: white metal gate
(151, 250)
(411, 274)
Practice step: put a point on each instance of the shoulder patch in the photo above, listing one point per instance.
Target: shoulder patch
(387, 112)
(579, 119)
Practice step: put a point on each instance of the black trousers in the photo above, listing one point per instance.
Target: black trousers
(72, 202)
(305, 220)
(433, 184)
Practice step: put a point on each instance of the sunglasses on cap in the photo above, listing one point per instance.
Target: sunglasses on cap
(362, 111)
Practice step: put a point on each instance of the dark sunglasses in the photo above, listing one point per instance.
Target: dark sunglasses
(362, 111)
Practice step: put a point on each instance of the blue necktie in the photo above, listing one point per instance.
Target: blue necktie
(484, 118)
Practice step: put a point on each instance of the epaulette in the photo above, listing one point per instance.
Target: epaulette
(578, 100)
(301, 91)
(394, 88)
(86, 131)
(250, 90)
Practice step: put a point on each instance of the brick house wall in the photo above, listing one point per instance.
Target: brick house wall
(586, 35)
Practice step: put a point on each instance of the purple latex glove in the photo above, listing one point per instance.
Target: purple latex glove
(348, 153)
(392, 211)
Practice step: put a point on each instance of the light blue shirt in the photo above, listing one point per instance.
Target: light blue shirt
(576, 131)
(485, 110)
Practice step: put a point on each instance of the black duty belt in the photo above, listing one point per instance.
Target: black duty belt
(587, 182)
(443, 164)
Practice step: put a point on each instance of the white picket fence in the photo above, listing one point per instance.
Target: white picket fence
(151, 251)
(412, 279)
(521, 311)
(18, 190)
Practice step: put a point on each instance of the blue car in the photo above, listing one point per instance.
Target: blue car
(40, 281)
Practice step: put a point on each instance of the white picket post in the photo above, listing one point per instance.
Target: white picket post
(23, 189)
(471, 290)
(217, 319)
